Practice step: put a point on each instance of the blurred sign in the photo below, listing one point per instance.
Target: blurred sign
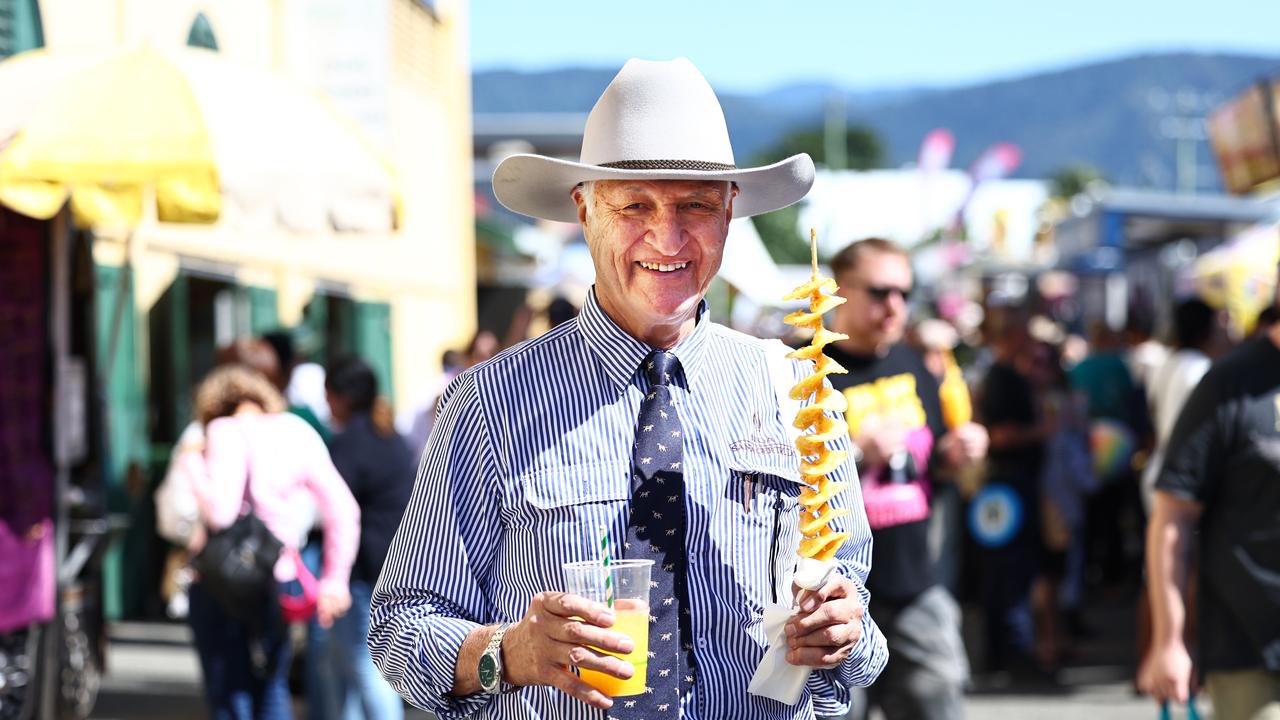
(1243, 135)
(341, 48)
(995, 515)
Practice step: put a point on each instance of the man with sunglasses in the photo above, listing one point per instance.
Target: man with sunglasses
(901, 445)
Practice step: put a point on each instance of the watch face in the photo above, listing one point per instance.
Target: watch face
(488, 671)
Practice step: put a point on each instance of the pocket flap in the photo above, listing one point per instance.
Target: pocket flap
(559, 487)
(782, 462)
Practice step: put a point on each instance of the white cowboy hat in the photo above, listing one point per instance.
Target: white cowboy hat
(655, 121)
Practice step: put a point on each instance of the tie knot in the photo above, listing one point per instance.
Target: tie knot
(659, 367)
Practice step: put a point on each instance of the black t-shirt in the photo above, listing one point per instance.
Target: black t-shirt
(380, 472)
(1006, 398)
(1225, 454)
(895, 388)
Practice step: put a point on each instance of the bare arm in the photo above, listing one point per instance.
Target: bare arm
(1012, 436)
(1167, 675)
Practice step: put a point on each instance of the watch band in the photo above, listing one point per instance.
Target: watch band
(495, 640)
(494, 651)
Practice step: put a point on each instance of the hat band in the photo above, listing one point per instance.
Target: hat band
(669, 165)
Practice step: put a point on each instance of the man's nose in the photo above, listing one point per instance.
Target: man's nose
(666, 233)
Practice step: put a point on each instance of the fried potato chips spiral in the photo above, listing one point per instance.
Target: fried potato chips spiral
(819, 541)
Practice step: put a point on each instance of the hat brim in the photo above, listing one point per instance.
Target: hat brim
(541, 186)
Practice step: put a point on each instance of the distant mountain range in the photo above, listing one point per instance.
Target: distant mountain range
(1119, 116)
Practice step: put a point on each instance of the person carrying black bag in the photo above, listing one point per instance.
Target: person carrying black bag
(259, 480)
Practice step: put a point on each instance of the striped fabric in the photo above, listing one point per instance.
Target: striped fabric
(531, 455)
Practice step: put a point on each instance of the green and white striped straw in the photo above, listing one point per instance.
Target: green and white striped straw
(606, 562)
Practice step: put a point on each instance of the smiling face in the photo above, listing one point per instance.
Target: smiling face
(656, 245)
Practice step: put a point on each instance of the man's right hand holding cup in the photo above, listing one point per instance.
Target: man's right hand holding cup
(558, 632)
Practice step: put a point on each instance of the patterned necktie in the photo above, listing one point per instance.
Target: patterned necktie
(655, 531)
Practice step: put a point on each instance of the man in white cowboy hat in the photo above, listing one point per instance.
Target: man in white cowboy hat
(642, 419)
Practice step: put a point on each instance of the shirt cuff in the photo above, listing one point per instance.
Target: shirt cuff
(830, 699)
(867, 659)
(438, 659)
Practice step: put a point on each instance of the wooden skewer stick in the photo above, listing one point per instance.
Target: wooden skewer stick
(813, 250)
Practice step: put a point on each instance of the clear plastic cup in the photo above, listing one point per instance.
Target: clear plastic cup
(631, 613)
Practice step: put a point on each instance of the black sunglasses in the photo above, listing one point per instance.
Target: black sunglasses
(881, 293)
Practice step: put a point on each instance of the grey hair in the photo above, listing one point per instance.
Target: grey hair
(588, 195)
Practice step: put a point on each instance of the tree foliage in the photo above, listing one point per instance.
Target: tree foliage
(1073, 180)
(779, 230)
(863, 148)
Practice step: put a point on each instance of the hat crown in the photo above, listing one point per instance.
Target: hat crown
(657, 110)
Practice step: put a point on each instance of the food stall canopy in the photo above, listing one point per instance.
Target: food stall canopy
(208, 137)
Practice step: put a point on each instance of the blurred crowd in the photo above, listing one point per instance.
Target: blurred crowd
(1036, 483)
(330, 470)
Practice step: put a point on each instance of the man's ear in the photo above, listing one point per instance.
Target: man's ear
(581, 202)
(733, 193)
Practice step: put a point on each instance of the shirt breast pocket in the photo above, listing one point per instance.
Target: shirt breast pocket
(568, 505)
(766, 510)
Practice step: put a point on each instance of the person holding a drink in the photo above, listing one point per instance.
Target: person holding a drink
(640, 435)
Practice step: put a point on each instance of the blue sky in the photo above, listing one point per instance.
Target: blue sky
(749, 45)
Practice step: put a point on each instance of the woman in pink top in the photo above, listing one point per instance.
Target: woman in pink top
(249, 439)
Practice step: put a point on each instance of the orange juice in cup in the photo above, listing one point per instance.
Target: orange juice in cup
(634, 623)
(630, 588)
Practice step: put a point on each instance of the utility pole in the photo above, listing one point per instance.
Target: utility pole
(835, 136)
(1180, 117)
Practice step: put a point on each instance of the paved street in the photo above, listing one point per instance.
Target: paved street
(153, 675)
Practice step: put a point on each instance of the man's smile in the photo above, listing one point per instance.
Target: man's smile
(663, 267)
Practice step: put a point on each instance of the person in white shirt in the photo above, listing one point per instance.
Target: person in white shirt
(1200, 335)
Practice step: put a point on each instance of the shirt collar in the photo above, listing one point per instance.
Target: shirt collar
(620, 354)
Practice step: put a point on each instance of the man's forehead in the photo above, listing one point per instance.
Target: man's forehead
(876, 262)
(688, 187)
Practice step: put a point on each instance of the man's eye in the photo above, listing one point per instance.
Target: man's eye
(634, 206)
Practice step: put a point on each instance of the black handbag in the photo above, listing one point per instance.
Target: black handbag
(237, 566)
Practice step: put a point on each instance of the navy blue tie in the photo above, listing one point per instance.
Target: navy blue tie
(655, 531)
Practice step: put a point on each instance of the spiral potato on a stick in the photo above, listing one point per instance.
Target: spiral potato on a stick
(819, 541)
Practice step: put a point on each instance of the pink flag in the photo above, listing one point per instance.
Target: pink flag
(995, 162)
(935, 151)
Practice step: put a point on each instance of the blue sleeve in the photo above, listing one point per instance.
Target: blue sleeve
(431, 592)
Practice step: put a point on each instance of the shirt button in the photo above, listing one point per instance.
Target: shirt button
(702, 643)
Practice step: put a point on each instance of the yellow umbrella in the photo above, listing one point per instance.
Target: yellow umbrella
(209, 136)
(1240, 275)
(100, 135)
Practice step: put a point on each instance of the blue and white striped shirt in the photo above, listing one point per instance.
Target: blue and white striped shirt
(531, 455)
